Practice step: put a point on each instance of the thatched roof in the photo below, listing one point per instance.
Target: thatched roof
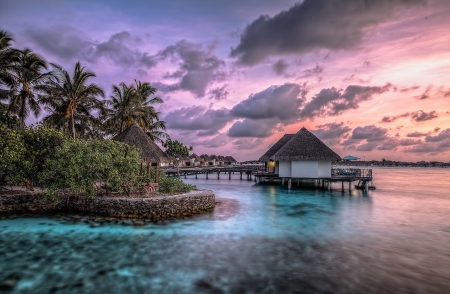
(230, 159)
(212, 157)
(205, 157)
(135, 136)
(195, 157)
(305, 146)
(221, 158)
(275, 147)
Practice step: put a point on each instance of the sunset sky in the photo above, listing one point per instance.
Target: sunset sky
(371, 80)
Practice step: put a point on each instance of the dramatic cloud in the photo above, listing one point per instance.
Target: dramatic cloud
(218, 93)
(425, 94)
(66, 42)
(198, 67)
(247, 143)
(198, 118)
(417, 116)
(314, 24)
(280, 67)
(332, 133)
(313, 72)
(332, 102)
(423, 116)
(281, 102)
(369, 133)
(409, 142)
(215, 142)
(389, 144)
(254, 128)
(445, 134)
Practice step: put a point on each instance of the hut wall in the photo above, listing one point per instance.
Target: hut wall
(285, 169)
(304, 169)
(277, 167)
(324, 169)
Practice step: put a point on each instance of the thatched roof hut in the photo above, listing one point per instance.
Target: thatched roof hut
(195, 157)
(135, 136)
(205, 157)
(275, 147)
(230, 159)
(305, 146)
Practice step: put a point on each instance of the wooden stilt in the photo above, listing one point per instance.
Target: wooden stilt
(196, 175)
(349, 185)
(207, 175)
(229, 175)
(298, 182)
(342, 185)
(366, 185)
(329, 185)
(282, 181)
(241, 175)
(289, 183)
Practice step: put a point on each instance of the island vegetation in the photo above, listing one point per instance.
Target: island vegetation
(69, 149)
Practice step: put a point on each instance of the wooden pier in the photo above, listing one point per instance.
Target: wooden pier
(259, 175)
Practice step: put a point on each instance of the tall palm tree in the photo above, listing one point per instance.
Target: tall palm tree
(72, 101)
(26, 81)
(7, 57)
(123, 112)
(133, 104)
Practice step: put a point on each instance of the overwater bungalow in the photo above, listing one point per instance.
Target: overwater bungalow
(207, 160)
(151, 154)
(303, 155)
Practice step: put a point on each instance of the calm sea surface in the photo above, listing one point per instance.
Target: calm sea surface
(262, 238)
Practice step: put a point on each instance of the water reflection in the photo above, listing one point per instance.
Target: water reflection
(260, 239)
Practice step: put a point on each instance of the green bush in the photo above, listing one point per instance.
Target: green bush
(12, 151)
(166, 184)
(85, 166)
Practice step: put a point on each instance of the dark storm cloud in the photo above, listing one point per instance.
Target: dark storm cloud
(369, 133)
(280, 67)
(314, 24)
(280, 102)
(217, 141)
(332, 133)
(368, 146)
(445, 134)
(198, 67)
(332, 102)
(417, 116)
(205, 121)
(218, 93)
(66, 42)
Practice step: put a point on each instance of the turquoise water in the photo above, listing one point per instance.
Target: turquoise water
(262, 238)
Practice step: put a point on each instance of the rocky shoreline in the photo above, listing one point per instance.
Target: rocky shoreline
(152, 208)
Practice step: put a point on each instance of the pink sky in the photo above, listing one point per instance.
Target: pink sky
(371, 80)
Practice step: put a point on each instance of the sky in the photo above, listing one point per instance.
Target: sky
(369, 78)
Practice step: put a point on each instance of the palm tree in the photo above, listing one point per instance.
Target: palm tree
(133, 104)
(72, 101)
(26, 79)
(7, 57)
(123, 102)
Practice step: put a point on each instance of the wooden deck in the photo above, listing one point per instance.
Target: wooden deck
(258, 174)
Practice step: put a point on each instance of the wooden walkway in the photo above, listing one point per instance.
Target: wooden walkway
(259, 174)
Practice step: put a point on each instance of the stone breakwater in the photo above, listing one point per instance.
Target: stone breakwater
(160, 207)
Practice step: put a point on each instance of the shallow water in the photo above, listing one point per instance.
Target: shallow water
(262, 238)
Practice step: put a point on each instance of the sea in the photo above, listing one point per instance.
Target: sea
(261, 238)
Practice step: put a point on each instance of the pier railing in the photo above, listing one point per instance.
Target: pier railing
(351, 173)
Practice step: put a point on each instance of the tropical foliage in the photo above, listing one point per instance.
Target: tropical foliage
(67, 150)
(133, 104)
